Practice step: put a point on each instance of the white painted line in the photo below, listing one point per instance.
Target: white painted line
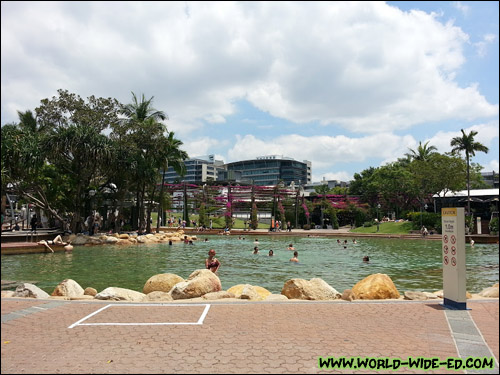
(482, 337)
(88, 316)
(199, 322)
(203, 315)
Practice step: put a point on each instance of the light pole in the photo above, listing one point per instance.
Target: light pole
(378, 220)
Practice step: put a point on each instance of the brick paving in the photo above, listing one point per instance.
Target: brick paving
(235, 337)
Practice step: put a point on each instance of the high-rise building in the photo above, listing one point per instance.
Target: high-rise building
(199, 169)
(270, 170)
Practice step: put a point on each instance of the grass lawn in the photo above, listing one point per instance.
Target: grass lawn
(387, 227)
(218, 222)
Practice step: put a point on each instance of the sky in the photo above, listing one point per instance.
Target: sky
(345, 85)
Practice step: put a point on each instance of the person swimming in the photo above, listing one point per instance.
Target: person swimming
(295, 257)
(271, 253)
(290, 247)
(255, 250)
(366, 259)
(212, 263)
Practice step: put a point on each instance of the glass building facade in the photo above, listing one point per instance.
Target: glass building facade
(269, 170)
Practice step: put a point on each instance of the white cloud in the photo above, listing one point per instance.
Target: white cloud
(325, 152)
(482, 46)
(487, 134)
(366, 66)
(461, 7)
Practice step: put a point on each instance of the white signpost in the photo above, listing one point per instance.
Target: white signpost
(453, 246)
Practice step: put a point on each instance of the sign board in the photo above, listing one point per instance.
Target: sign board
(453, 255)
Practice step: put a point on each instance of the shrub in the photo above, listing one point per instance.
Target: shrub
(306, 227)
(494, 225)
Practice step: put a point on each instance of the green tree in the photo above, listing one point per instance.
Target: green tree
(467, 144)
(422, 153)
(142, 132)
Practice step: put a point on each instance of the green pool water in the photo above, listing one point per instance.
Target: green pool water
(411, 264)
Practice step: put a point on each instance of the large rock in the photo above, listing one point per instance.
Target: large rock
(251, 292)
(30, 290)
(157, 296)
(415, 296)
(218, 295)
(90, 291)
(376, 286)
(314, 289)
(161, 283)
(490, 292)
(68, 288)
(120, 294)
(200, 282)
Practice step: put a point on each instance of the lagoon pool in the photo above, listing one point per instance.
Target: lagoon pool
(411, 264)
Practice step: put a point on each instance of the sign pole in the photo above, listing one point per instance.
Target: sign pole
(453, 252)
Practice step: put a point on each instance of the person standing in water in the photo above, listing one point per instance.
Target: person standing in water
(212, 263)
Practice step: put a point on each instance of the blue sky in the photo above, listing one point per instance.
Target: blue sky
(346, 85)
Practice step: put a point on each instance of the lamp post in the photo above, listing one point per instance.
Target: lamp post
(378, 220)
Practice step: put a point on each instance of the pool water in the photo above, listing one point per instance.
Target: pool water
(411, 264)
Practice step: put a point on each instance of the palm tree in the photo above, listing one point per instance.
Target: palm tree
(141, 111)
(172, 155)
(143, 124)
(422, 153)
(466, 143)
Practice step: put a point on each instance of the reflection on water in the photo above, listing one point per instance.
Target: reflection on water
(411, 264)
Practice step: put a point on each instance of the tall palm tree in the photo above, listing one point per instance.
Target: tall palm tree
(143, 124)
(143, 110)
(467, 143)
(171, 155)
(422, 153)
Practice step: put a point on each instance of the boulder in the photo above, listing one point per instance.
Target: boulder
(68, 288)
(120, 294)
(314, 289)
(218, 295)
(276, 297)
(490, 292)
(416, 296)
(162, 282)
(348, 295)
(30, 290)
(111, 240)
(200, 282)
(157, 296)
(80, 240)
(90, 291)
(376, 286)
(251, 292)
(123, 236)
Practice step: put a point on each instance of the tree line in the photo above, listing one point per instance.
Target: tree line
(71, 155)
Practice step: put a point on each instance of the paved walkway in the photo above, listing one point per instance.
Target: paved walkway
(47, 336)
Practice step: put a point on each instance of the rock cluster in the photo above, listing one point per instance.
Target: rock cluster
(207, 285)
(128, 239)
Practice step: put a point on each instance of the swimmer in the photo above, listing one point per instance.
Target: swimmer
(255, 250)
(366, 259)
(290, 247)
(354, 240)
(271, 253)
(212, 263)
(471, 242)
(295, 257)
(68, 248)
(256, 241)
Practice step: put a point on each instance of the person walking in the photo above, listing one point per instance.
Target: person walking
(34, 223)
